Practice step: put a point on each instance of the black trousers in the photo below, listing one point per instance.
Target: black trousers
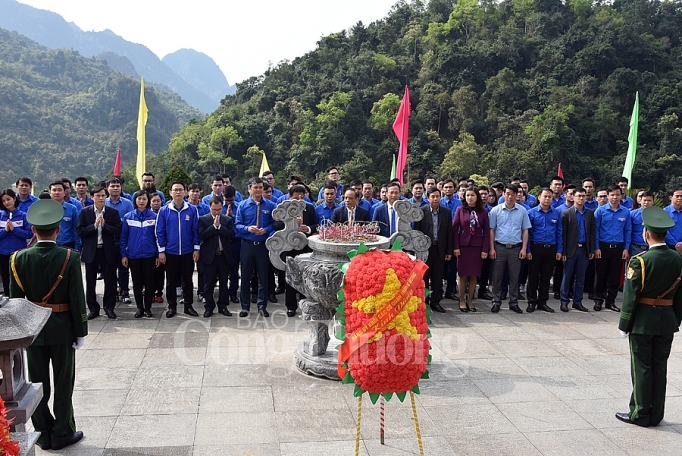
(218, 270)
(159, 279)
(649, 367)
(558, 276)
(590, 276)
(539, 272)
(109, 276)
(484, 278)
(143, 271)
(179, 267)
(254, 256)
(608, 270)
(433, 278)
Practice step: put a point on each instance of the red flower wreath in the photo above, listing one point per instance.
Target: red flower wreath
(7, 446)
(396, 356)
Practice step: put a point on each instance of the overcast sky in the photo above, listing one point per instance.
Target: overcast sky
(241, 36)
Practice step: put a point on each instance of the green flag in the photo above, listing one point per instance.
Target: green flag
(632, 142)
(393, 168)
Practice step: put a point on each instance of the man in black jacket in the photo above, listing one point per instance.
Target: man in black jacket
(216, 231)
(579, 242)
(441, 244)
(99, 227)
(350, 211)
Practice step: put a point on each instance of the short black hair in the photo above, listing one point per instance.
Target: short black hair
(254, 180)
(588, 179)
(393, 184)
(184, 186)
(431, 190)
(24, 179)
(229, 191)
(139, 193)
(512, 187)
(293, 178)
(613, 188)
(215, 199)
(66, 181)
(558, 178)
(331, 185)
(55, 183)
(194, 186)
(267, 173)
(514, 178)
(623, 179)
(79, 179)
(545, 189)
(148, 174)
(97, 189)
(569, 187)
(218, 178)
(296, 189)
(355, 182)
(332, 167)
(417, 182)
(116, 180)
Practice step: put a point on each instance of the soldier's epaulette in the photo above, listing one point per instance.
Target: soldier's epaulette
(640, 253)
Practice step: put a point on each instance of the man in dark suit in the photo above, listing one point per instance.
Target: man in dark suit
(350, 211)
(216, 231)
(579, 233)
(385, 214)
(308, 226)
(99, 227)
(652, 312)
(50, 276)
(437, 225)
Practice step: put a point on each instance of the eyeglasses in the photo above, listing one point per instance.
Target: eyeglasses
(178, 190)
(579, 196)
(602, 196)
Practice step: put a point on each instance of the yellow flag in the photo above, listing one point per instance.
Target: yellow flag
(263, 166)
(141, 123)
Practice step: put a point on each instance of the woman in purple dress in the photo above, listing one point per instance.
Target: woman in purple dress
(471, 231)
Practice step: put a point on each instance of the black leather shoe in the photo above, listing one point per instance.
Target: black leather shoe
(557, 296)
(564, 307)
(516, 309)
(264, 312)
(111, 315)
(597, 306)
(189, 310)
(272, 297)
(75, 438)
(485, 295)
(148, 313)
(521, 297)
(612, 307)
(225, 312)
(234, 299)
(580, 307)
(243, 314)
(254, 298)
(530, 308)
(91, 316)
(138, 313)
(546, 308)
(291, 313)
(438, 308)
(170, 313)
(208, 313)
(503, 297)
(625, 418)
(495, 308)
(279, 290)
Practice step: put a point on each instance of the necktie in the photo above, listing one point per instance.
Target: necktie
(350, 219)
(258, 215)
(393, 221)
(219, 245)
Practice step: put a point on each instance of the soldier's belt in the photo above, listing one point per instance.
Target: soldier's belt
(655, 302)
(56, 308)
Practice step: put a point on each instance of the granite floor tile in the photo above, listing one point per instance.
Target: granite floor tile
(179, 340)
(238, 428)
(513, 389)
(174, 357)
(548, 331)
(260, 449)
(543, 416)
(512, 444)
(104, 378)
(153, 430)
(435, 445)
(583, 442)
(88, 403)
(600, 413)
(453, 393)
(579, 347)
(660, 440)
(108, 341)
(236, 399)
(321, 448)
(399, 420)
(128, 326)
(550, 366)
(312, 397)
(238, 375)
(129, 358)
(525, 348)
(314, 425)
(150, 451)
(493, 333)
(470, 419)
(180, 376)
(151, 401)
(568, 388)
(596, 330)
(490, 368)
(596, 365)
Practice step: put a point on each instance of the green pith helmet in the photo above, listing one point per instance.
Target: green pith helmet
(45, 214)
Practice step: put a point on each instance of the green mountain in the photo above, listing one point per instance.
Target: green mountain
(62, 114)
(498, 88)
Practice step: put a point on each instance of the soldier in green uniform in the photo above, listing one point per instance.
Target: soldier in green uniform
(651, 314)
(50, 276)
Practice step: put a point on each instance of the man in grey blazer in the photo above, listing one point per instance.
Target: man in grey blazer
(579, 243)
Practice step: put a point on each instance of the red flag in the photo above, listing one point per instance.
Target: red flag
(117, 165)
(559, 172)
(401, 128)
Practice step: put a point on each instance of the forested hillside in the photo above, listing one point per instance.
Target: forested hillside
(498, 88)
(62, 114)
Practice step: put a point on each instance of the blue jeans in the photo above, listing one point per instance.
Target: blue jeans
(577, 265)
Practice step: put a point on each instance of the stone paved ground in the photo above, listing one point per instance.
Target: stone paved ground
(502, 384)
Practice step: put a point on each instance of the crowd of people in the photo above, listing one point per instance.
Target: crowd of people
(572, 238)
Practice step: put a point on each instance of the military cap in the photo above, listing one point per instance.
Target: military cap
(657, 220)
(45, 214)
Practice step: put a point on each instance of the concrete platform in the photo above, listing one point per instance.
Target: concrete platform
(503, 384)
